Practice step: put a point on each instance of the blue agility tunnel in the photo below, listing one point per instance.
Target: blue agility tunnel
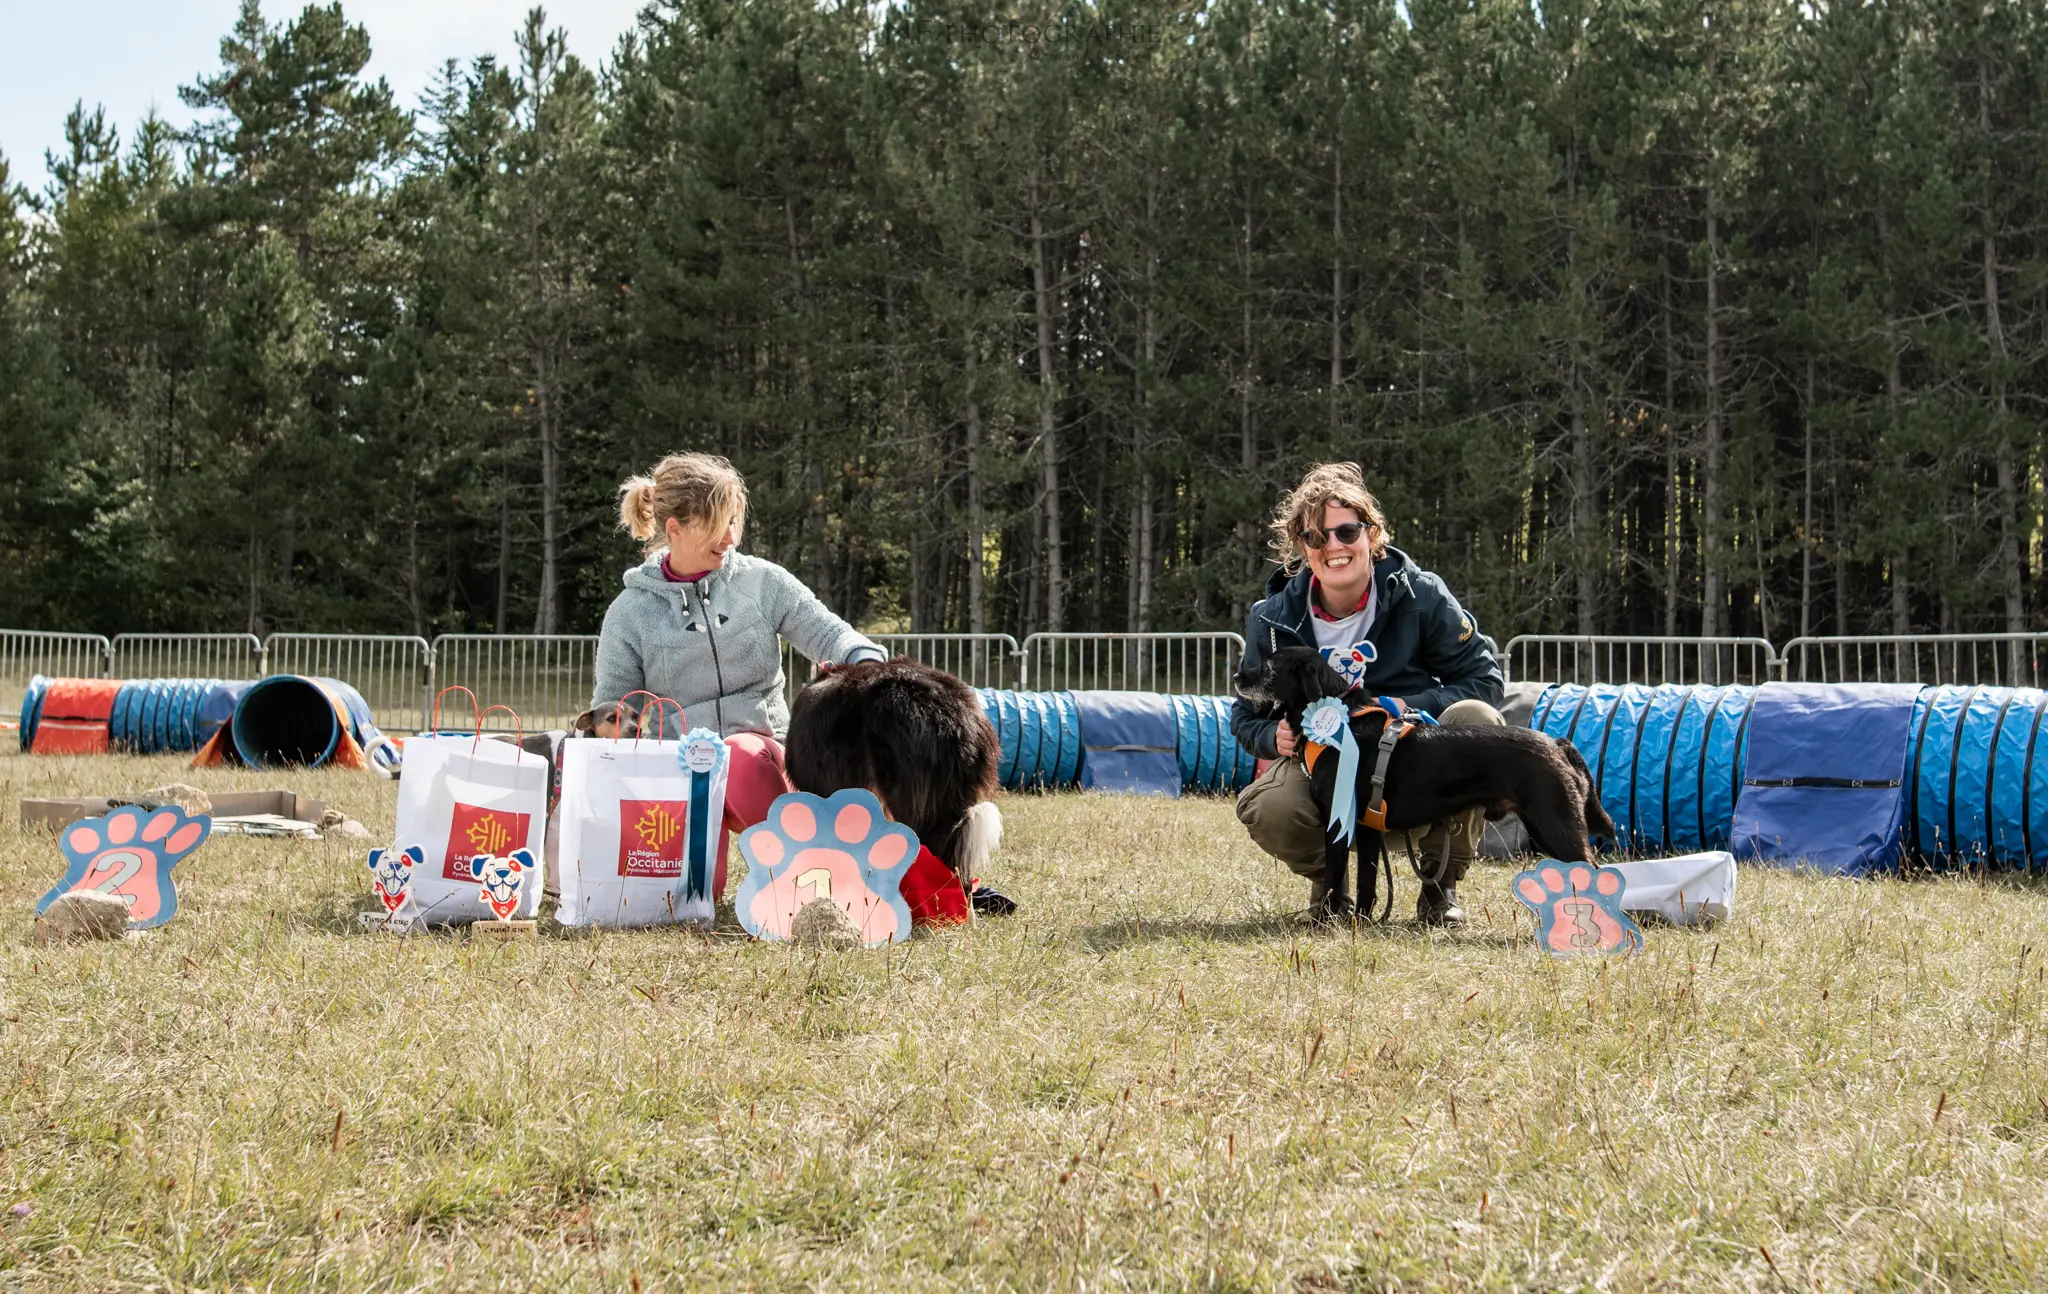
(153, 716)
(1146, 743)
(1851, 779)
(291, 719)
(1668, 760)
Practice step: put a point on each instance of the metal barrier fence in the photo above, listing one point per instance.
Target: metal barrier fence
(1201, 664)
(25, 653)
(394, 672)
(1994, 660)
(979, 660)
(546, 679)
(1594, 658)
(230, 656)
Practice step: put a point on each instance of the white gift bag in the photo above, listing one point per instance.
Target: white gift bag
(461, 796)
(640, 830)
(1690, 889)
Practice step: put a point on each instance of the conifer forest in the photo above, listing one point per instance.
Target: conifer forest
(1642, 316)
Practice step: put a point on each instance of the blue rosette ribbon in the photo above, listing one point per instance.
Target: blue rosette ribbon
(1327, 722)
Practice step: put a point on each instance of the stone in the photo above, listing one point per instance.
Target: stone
(82, 914)
(821, 923)
(189, 798)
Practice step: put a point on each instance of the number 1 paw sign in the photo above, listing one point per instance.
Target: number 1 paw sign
(842, 849)
(1578, 909)
(129, 854)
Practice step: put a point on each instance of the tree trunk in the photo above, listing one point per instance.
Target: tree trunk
(500, 623)
(1585, 532)
(1902, 611)
(1048, 413)
(1337, 295)
(1672, 514)
(545, 615)
(2011, 574)
(977, 523)
(255, 582)
(1806, 539)
(1713, 589)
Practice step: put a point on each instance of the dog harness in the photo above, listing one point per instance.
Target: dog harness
(1326, 724)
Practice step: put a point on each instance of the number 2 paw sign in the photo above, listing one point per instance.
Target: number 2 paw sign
(842, 849)
(129, 853)
(1578, 909)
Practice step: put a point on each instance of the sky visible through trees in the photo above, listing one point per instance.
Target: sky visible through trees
(1643, 316)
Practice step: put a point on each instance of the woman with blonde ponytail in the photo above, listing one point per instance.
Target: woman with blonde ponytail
(699, 622)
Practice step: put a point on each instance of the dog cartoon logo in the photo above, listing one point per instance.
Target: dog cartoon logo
(391, 875)
(1578, 909)
(1351, 662)
(840, 848)
(503, 880)
(129, 853)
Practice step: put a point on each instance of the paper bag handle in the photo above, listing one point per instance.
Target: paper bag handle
(518, 726)
(435, 725)
(654, 703)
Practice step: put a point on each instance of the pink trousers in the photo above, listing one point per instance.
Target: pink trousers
(753, 779)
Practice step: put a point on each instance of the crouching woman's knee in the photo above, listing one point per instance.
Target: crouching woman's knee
(1471, 711)
(1278, 811)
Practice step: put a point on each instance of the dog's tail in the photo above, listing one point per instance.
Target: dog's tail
(980, 833)
(1597, 821)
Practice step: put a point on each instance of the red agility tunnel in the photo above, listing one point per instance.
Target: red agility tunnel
(72, 716)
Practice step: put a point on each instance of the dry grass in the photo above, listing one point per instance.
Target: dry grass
(1149, 1078)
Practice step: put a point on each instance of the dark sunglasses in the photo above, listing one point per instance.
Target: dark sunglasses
(1347, 533)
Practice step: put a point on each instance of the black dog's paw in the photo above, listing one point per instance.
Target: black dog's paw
(1331, 909)
(991, 902)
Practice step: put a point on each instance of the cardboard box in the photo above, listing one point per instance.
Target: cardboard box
(55, 815)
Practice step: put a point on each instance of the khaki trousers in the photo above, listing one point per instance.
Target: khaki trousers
(1279, 810)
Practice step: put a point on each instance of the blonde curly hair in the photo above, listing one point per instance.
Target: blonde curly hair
(698, 490)
(1341, 484)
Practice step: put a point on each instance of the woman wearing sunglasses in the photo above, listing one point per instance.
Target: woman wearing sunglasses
(1342, 585)
(698, 622)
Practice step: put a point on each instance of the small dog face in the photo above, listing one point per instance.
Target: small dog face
(606, 719)
(1290, 679)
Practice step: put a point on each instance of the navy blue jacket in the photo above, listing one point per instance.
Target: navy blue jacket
(1430, 651)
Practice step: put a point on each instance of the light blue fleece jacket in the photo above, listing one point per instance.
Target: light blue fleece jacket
(712, 645)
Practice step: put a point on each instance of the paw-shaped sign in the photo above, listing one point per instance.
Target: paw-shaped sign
(1578, 909)
(502, 878)
(130, 853)
(1351, 662)
(391, 875)
(842, 849)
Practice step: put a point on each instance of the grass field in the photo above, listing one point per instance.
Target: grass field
(1150, 1078)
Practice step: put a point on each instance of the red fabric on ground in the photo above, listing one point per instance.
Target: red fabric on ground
(933, 892)
(74, 716)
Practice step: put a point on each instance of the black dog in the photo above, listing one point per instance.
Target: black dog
(915, 736)
(1433, 773)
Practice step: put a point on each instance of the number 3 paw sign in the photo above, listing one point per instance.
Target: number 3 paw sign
(129, 854)
(842, 849)
(1578, 909)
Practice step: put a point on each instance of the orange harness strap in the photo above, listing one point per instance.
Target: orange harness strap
(1373, 815)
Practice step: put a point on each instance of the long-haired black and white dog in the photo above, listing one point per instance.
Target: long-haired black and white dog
(1433, 773)
(915, 736)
